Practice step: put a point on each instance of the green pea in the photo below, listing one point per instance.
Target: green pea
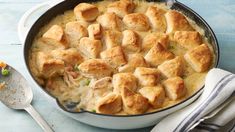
(88, 82)
(5, 72)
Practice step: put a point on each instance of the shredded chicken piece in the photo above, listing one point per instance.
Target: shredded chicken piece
(71, 77)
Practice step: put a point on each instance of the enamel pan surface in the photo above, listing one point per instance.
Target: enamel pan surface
(70, 4)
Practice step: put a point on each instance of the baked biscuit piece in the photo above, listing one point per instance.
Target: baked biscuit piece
(49, 66)
(121, 8)
(110, 104)
(70, 56)
(188, 39)
(124, 80)
(47, 44)
(133, 103)
(55, 32)
(110, 20)
(55, 36)
(74, 32)
(102, 87)
(131, 41)
(156, 18)
(176, 22)
(134, 60)
(172, 68)
(95, 31)
(147, 76)
(95, 68)
(154, 38)
(157, 55)
(175, 88)
(200, 58)
(90, 47)
(154, 94)
(86, 12)
(114, 56)
(136, 21)
(112, 38)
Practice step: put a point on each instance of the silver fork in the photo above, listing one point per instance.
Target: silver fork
(214, 112)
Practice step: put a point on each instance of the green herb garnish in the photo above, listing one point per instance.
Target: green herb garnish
(93, 111)
(171, 47)
(87, 82)
(5, 72)
(76, 67)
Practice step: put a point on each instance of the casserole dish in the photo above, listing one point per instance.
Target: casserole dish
(103, 120)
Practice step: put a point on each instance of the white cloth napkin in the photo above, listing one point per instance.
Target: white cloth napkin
(219, 86)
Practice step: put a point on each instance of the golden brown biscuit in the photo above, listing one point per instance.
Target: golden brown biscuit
(172, 68)
(74, 32)
(134, 60)
(176, 22)
(55, 32)
(110, 21)
(156, 18)
(154, 38)
(47, 44)
(136, 21)
(157, 55)
(70, 56)
(49, 66)
(114, 56)
(155, 95)
(131, 41)
(95, 68)
(188, 39)
(90, 47)
(95, 31)
(124, 80)
(200, 58)
(147, 76)
(112, 38)
(175, 88)
(133, 103)
(86, 12)
(55, 36)
(122, 7)
(110, 104)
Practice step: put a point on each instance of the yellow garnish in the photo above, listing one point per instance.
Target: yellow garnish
(2, 64)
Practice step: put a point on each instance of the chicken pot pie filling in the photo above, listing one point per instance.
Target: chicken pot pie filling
(120, 57)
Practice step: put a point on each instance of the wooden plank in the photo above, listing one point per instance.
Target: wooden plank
(227, 46)
(10, 15)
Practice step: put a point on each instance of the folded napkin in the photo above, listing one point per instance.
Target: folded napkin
(219, 86)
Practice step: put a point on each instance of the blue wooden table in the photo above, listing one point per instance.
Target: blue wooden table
(220, 14)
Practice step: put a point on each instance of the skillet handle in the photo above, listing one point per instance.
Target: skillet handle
(25, 22)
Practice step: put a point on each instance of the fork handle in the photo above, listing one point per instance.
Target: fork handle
(38, 118)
